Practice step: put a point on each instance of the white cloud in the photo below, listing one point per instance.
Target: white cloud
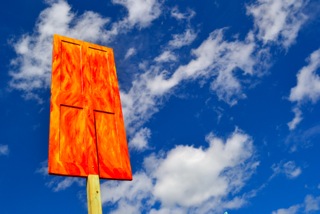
(182, 16)
(289, 169)
(199, 180)
(43, 170)
(278, 21)
(58, 184)
(215, 58)
(180, 40)
(291, 210)
(4, 149)
(296, 120)
(166, 56)
(307, 88)
(140, 12)
(190, 176)
(128, 195)
(312, 203)
(140, 140)
(308, 81)
(31, 69)
(130, 52)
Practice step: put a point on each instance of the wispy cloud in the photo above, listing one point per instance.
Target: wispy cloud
(166, 56)
(215, 59)
(296, 120)
(180, 40)
(189, 178)
(302, 138)
(310, 205)
(130, 52)
(4, 149)
(308, 81)
(307, 88)
(278, 22)
(289, 169)
(291, 210)
(189, 14)
(57, 183)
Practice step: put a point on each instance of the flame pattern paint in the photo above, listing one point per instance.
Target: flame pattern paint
(87, 134)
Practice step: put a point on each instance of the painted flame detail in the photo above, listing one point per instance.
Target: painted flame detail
(87, 134)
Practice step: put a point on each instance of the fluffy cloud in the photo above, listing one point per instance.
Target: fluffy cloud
(190, 176)
(140, 140)
(308, 81)
(140, 12)
(187, 178)
(31, 69)
(278, 21)
(129, 196)
(4, 149)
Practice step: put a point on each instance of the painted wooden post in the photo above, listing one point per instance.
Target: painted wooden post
(93, 195)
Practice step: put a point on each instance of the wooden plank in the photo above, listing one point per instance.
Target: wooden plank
(87, 132)
(93, 195)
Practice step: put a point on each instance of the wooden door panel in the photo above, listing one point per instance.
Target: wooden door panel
(72, 129)
(70, 72)
(101, 90)
(116, 165)
(72, 143)
(87, 134)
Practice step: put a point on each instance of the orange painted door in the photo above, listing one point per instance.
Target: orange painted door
(87, 134)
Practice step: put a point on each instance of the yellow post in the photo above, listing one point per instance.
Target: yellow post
(93, 195)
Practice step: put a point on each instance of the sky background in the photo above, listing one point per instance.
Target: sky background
(221, 104)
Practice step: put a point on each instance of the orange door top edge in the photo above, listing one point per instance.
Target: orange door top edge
(76, 41)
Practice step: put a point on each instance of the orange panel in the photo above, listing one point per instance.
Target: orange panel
(87, 134)
(115, 165)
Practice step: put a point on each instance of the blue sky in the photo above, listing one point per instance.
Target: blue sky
(221, 104)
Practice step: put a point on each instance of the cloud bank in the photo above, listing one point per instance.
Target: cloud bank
(199, 180)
